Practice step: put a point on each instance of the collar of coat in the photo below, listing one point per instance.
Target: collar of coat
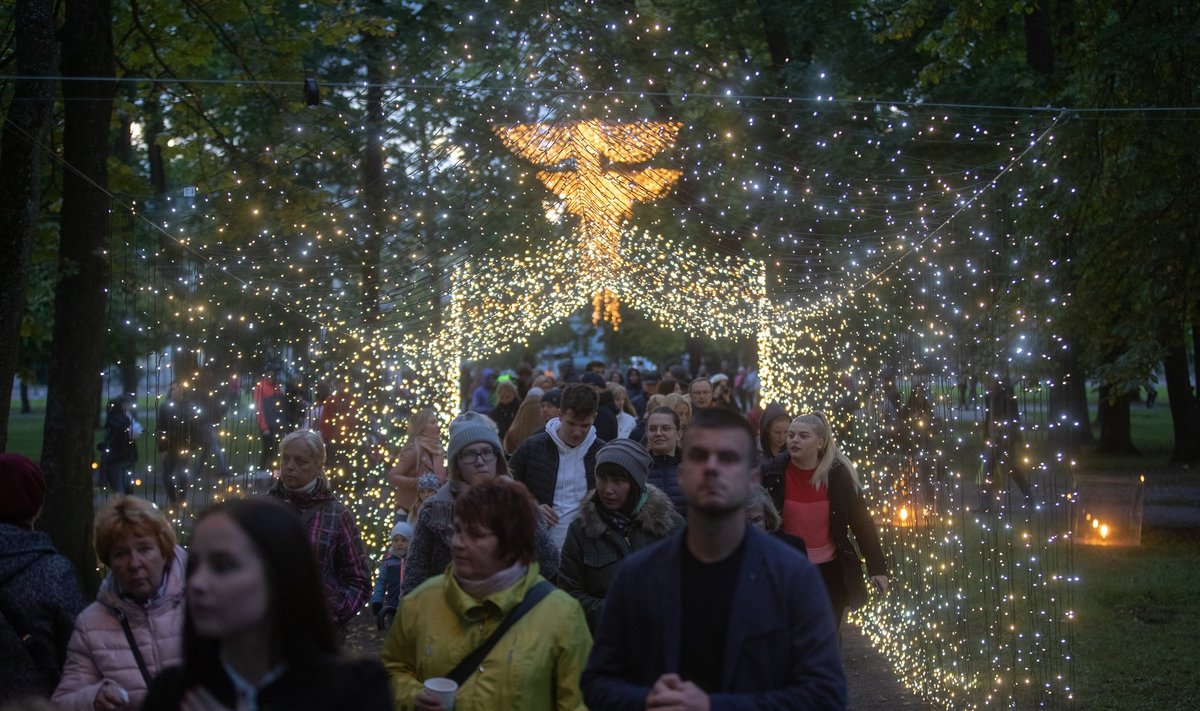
(655, 518)
(495, 605)
(300, 500)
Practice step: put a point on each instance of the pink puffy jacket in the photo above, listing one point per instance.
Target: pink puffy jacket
(99, 651)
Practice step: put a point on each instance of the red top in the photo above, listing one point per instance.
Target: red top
(806, 513)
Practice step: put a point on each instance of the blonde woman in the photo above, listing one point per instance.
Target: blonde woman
(421, 453)
(333, 534)
(626, 415)
(816, 489)
(682, 407)
(655, 401)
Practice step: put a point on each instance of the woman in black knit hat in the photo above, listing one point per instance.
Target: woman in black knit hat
(621, 515)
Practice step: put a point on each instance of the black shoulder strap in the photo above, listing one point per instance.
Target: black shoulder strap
(468, 665)
(137, 653)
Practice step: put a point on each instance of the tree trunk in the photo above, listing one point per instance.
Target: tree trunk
(775, 32)
(72, 399)
(373, 187)
(1115, 435)
(428, 235)
(1196, 346)
(154, 152)
(1184, 421)
(1069, 406)
(1039, 47)
(25, 127)
(26, 406)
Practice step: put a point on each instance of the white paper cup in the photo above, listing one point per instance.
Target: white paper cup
(443, 690)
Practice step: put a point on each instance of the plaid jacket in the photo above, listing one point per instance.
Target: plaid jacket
(341, 556)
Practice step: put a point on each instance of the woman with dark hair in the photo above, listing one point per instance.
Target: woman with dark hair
(535, 664)
(257, 633)
(332, 531)
(772, 430)
(134, 629)
(816, 490)
(637, 395)
(623, 514)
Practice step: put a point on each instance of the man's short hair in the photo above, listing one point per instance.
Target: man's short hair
(592, 365)
(719, 418)
(580, 399)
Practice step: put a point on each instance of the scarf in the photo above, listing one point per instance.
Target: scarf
(306, 489)
(620, 521)
(494, 583)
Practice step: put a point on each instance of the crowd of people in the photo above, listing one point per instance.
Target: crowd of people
(639, 541)
(189, 419)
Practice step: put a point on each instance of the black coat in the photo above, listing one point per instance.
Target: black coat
(39, 599)
(503, 415)
(606, 417)
(353, 684)
(119, 443)
(535, 464)
(664, 474)
(847, 512)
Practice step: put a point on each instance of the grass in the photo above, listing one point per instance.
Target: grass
(25, 431)
(1151, 433)
(1137, 613)
(25, 436)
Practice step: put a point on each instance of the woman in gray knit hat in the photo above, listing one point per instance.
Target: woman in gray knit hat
(621, 515)
(473, 457)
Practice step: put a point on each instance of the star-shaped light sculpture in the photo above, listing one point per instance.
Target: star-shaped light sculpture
(598, 168)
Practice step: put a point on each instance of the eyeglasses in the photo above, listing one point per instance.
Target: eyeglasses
(486, 455)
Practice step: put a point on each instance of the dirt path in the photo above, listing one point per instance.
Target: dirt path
(871, 683)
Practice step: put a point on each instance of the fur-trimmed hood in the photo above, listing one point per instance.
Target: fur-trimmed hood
(656, 518)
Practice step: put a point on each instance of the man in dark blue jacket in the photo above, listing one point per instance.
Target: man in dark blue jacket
(754, 629)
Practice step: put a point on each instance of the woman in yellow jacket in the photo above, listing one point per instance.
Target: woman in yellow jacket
(536, 664)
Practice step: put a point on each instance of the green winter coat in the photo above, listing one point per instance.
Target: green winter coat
(535, 666)
(593, 551)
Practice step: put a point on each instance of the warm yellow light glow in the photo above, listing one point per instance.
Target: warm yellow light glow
(594, 166)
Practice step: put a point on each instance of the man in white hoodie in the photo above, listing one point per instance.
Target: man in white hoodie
(558, 464)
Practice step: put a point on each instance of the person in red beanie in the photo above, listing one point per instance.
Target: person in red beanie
(39, 594)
